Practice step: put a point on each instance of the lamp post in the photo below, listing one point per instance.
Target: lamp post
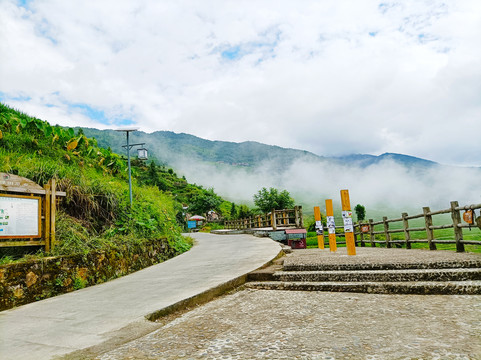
(142, 155)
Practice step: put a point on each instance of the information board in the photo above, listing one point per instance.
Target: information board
(20, 216)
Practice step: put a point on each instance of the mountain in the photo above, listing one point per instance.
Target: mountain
(171, 148)
(238, 170)
(364, 160)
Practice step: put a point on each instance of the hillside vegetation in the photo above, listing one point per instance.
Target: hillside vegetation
(95, 213)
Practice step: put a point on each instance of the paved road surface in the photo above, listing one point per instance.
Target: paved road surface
(117, 309)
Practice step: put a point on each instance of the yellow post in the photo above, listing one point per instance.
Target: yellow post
(319, 228)
(348, 227)
(331, 225)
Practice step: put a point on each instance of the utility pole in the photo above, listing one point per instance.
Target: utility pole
(142, 155)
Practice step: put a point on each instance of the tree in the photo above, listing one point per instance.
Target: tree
(233, 211)
(266, 200)
(360, 212)
(244, 212)
(205, 202)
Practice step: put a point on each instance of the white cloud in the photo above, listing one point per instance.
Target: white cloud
(331, 77)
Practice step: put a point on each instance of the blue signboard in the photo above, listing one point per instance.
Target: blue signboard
(191, 224)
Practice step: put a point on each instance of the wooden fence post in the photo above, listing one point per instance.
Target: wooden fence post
(296, 216)
(53, 211)
(46, 219)
(407, 235)
(361, 235)
(428, 220)
(371, 233)
(386, 231)
(274, 220)
(301, 220)
(458, 232)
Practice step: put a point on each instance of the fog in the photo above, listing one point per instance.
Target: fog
(385, 186)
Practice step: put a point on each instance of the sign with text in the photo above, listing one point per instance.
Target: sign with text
(20, 216)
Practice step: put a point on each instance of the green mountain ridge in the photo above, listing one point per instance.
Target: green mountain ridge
(170, 148)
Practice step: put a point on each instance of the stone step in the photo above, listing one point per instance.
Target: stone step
(265, 274)
(294, 266)
(418, 287)
(459, 274)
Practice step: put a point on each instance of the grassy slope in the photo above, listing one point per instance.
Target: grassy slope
(95, 213)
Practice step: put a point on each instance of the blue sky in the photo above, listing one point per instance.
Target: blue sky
(330, 77)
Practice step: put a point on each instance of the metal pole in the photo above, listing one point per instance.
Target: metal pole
(130, 174)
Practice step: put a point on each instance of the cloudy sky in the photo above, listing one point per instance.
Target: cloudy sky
(332, 77)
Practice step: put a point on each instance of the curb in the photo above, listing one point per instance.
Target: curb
(207, 295)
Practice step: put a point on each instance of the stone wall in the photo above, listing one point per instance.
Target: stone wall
(25, 282)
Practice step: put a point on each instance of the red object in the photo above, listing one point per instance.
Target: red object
(297, 243)
(468, 216)
(365, 228)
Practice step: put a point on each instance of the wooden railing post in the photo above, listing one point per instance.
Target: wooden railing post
(458, 232)
(371, 233)
(273, 219)
(301, 221)
(407, 235)
(386, 231)
(428, 220)
(296, 216)
(46, 220)
(361, 235)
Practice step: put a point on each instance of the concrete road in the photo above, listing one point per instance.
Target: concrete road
(116, 310)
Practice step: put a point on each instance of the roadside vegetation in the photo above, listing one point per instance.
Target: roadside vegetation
(96, 213)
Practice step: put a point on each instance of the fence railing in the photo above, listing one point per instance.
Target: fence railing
(369, 236)
(274, 219)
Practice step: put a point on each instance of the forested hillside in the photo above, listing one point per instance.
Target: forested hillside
(96, 211)
(172, 148)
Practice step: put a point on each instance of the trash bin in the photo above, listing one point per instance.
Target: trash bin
(296, 238)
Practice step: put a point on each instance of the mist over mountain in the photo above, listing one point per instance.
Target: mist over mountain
(238, 170)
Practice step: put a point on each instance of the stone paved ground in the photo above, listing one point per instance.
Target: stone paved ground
(263, 324)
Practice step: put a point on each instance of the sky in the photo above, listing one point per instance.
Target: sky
(332, 77)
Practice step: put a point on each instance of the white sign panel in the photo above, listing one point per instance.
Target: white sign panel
(348, 227)
(331, 225)
(19, 216)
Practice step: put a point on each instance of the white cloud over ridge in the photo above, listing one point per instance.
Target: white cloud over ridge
(330, 77)
(383, 186)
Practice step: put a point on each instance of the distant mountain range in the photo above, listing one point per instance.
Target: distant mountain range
(171, 148)
(238, 170)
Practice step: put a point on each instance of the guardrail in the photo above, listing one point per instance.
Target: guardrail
(369, 234)
(274, 219)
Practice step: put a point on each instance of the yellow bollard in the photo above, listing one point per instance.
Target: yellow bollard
(319, 228)
(348, 227)
(331, 225)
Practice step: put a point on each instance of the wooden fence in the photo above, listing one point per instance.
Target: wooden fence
(369, 236)
(274, 219)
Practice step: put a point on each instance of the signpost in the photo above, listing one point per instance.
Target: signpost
(348, 226)
(27, 212)
(331, 225)
(20, 216)
(319, 228)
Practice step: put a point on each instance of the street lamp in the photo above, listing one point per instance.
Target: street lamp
(142, 155)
